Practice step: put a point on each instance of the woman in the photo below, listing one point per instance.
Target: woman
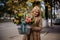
(37, 26)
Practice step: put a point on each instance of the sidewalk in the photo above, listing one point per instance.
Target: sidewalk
(8, 31)
(47, 34)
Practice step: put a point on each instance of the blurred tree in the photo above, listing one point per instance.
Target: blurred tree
(15, 5)
(1, 8)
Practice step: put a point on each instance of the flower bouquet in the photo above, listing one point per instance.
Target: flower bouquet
(24, 21)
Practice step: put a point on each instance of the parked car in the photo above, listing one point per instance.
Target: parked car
(57, 22)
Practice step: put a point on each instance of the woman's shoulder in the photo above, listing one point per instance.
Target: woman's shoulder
(39, 17)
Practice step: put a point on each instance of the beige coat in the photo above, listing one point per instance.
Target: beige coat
(36, 28)
(35, 31)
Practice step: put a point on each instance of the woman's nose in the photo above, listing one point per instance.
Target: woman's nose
(34, 12)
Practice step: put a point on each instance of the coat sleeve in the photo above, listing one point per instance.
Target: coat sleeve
(39, 25)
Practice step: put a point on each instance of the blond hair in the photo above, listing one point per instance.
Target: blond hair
(36, 8)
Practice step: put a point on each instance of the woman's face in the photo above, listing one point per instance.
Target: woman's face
(36, 13)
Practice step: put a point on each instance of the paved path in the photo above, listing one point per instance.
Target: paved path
(8, 31)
